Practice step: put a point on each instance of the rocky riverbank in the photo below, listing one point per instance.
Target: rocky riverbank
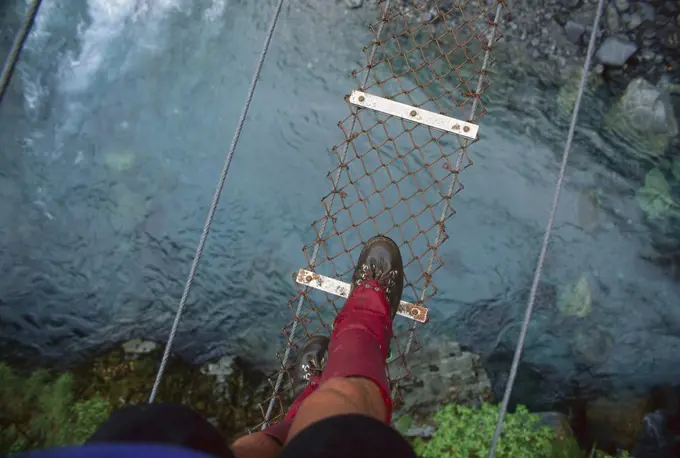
(228, 392)
(635, 39)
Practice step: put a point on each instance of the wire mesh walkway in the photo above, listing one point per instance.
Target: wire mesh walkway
(394, 176)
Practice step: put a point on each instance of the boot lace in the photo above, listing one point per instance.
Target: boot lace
(380, 273)
(313, 368)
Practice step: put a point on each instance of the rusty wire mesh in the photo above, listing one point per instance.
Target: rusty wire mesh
(393, 176)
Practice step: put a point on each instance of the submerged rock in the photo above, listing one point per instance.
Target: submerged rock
(614, 52)
(566, 95)
(588, 209)
(655, 196)
(119, 161)
(591, 344)
(576, 299)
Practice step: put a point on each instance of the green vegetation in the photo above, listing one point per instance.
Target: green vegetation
(466, 432)
(41, 411)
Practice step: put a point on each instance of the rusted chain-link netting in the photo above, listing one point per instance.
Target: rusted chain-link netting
(394, 176)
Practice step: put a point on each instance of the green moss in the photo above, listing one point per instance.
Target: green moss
(45, 409)
(40, 411)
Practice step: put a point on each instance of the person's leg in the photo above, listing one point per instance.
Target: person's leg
(256, 445)
(354, 380)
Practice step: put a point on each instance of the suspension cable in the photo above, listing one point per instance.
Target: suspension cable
(548, 231)
(17, 46)
(322, 231)
(215, 200)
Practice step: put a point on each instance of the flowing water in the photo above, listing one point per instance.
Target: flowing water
(113, 134)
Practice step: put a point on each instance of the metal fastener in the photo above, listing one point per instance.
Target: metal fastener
(415, 312)
(376, 289)
(308, 278)
(466, 129)
(413, 113)
(361, 98)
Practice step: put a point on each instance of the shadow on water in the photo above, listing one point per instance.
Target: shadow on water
(119, 123)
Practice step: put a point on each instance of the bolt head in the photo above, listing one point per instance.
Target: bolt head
(361, 98)
(413, 113)
(466, 129)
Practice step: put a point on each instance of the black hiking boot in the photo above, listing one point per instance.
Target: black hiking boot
(381, 260)
(310, 361)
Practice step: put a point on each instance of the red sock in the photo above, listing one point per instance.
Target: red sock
(360, 340)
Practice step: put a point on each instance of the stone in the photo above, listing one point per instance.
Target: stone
(622, 5)
(353, 4)
(614, 52)
(648, 108)
(613, 20)
(634, 21)
(574, 31)
(646, 11)
(139, 347)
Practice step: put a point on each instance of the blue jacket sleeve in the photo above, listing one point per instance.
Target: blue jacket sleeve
(117, 451)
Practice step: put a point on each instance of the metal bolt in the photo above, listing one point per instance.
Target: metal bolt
(466, 129)
(376, 289)
(361, 98)
(415, 312)
(308, 278)
(413, 113)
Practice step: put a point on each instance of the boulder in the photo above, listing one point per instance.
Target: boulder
(644, 118)
(441, 375)
(574, 31)
(615, 51)
(617, 422)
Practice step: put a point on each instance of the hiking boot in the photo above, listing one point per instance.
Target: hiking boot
(380, 260)
(310, 362)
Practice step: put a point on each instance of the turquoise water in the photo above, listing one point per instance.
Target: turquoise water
(115, 129)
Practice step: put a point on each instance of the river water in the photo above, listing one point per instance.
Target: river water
(113, 134)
